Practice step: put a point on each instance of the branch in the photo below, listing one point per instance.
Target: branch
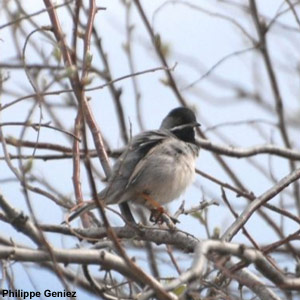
(68, 256)
(198, 268)
(261, 30)
(59, 92)
(258, 202)
(20, 222)
(251, 151)
(179, 239)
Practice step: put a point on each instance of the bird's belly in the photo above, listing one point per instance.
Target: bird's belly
(174, 181)
(172, 173)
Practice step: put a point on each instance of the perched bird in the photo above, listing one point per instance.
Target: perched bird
(156, 167)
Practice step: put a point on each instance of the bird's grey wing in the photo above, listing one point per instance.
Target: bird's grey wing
(128, 164)
(139, 167)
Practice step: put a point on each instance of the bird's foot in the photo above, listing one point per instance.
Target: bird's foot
(159, 216)
(156, 215)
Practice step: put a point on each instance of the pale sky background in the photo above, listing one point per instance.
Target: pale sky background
(197, 41)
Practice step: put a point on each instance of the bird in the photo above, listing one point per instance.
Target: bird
(155, 168)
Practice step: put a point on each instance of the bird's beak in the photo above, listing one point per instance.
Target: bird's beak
(196, 124)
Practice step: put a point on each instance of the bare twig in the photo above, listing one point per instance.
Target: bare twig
(253, 206)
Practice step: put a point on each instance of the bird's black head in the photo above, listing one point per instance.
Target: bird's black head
(181, 122)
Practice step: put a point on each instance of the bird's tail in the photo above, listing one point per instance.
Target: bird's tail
(80, 210)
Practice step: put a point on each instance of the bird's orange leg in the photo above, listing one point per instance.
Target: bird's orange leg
(156, 209)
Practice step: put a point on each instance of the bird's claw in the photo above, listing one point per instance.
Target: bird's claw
(159, 216)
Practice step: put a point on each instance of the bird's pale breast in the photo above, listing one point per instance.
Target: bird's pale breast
(170, 169)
